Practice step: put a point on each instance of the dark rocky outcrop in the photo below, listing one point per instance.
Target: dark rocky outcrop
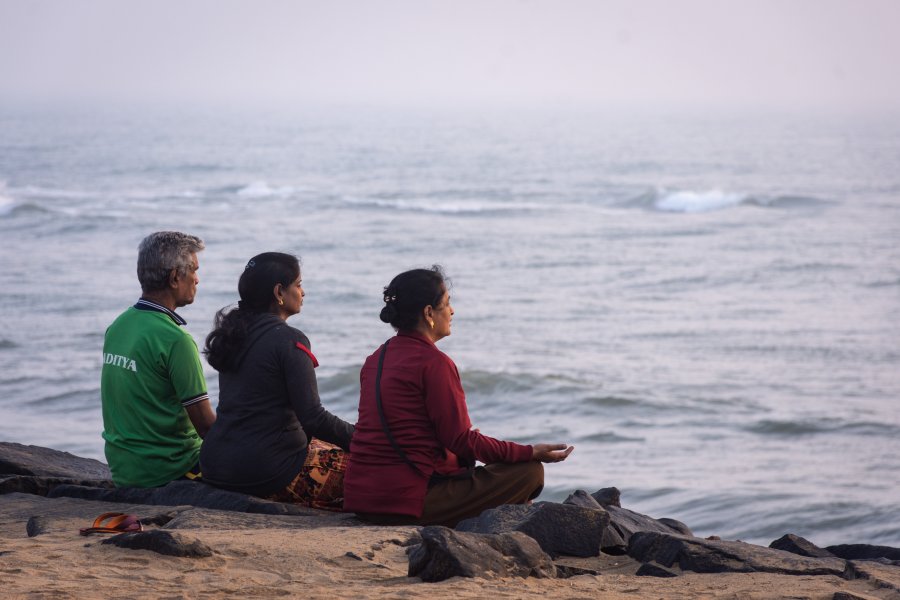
(558, 528)
(716, 556)
(608, 496)
(162, 542)
(864, 552)
(624, 523)
(37, 470)
(183, 492)
(18, 459)
(445, 553)
(676, 526)
(42, 486)
(583, 499)
(798, 545)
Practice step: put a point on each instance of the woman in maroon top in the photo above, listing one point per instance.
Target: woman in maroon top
(411, 458)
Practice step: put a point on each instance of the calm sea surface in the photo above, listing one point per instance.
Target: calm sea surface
(708, 309)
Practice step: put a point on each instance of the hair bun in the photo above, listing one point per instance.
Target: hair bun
(388, 313)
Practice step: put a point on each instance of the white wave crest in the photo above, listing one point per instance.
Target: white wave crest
(7, 205)
(694, 202)
(460, 206)
(261, 189)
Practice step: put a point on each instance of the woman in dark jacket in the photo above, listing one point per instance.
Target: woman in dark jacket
(269, 409)
(411, 456)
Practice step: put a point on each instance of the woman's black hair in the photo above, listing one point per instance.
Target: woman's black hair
(255, 286)
(410, 292)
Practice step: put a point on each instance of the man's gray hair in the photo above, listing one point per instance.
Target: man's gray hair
(161, 252)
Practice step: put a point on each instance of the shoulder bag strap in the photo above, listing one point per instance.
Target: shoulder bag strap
(384, 424)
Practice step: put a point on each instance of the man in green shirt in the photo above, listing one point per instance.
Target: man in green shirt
(155, 405)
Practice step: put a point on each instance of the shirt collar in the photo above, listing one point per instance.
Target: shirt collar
(416, 335)
(144, 304)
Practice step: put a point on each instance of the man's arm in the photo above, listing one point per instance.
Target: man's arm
(202, 416)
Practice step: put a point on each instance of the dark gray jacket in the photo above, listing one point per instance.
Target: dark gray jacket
(268, 410)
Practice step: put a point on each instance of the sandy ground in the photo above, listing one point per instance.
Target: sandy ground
(314, 563)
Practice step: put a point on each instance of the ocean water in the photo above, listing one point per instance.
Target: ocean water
(708, 308)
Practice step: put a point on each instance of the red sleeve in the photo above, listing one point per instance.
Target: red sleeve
(445, 402)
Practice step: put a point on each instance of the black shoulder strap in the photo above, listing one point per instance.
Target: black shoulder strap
(384, 424)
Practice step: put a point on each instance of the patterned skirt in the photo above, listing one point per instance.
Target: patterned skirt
(320, 482)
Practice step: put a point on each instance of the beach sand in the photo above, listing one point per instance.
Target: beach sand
(313, 557)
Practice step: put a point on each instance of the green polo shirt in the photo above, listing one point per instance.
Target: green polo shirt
(151, 372)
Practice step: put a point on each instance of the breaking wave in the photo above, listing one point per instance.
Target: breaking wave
(460, 206)
(691, 201)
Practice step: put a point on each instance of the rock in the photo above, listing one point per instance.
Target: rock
(202, 518)
(864, 551)
(654, 570)
(177, 493)
(445, 553)
(17, 459)
(880, 575)
(583, 499)
(611, 542)
(42, 486)
(566, 571)
(162, 542)
(624, 523)
(558, 528)
(709, 556)
(608, 497)
(676, 526)
(36, 526)
(798, 545)
(850, 596)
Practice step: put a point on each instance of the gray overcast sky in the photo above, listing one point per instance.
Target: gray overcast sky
(801, 54)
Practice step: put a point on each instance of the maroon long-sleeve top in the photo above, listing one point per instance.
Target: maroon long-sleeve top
(426, 411)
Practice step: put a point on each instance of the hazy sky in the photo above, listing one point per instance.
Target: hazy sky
(801, 54)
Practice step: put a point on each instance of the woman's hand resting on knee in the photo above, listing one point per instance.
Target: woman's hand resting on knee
(551, 453)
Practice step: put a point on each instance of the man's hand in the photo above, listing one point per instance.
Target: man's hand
(551, 453)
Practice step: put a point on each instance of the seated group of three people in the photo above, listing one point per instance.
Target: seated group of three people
(409, 459)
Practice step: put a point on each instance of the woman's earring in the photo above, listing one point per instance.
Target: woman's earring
(280, 302)
(430, 322)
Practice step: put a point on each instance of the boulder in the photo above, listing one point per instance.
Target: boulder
(716, 556)
(798, 545)
(624, 523)
(676, 526)
(611, 542)
(162, 542)
(181, 492)
(608, 496)
(558, 528)
(445, 553)
(42, 486)
(864, 551)
(583, 499)
(17, 459)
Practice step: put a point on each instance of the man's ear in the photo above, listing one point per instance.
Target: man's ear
(173, 278)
